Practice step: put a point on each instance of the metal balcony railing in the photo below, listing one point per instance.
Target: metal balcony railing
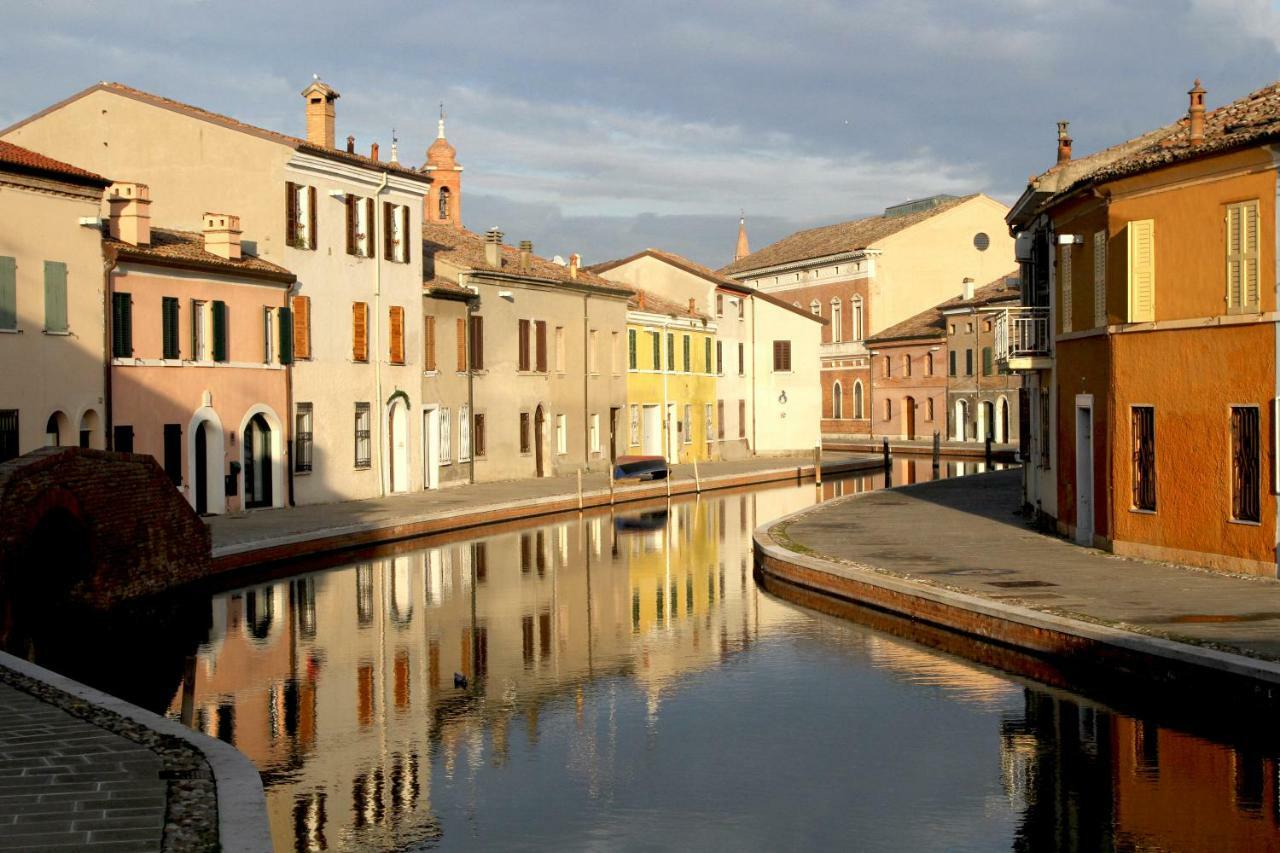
(1022, 333)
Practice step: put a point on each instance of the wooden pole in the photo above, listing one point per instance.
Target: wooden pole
(610, 485)
(579, 490)
(988, 451)
(937, 453)
(817, 464)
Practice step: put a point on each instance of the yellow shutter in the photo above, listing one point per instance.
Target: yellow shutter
(1242, 258)
(1142, 271)
(1100, 278)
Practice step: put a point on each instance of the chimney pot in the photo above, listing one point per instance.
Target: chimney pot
(373, 151)
(968, 288)
(526, 254)
(1064, 142)
(130, 213)
(222, 235)
(693, 305)
(351, 145)
(1195, 113)
(575, 261)
(493, 248)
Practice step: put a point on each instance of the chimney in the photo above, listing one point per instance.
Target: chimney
(1064, 143)
(526, 252)
(640, 299)
(493, 248)
(968, 288)
(320, 112)
(351, 145)
(130, 206)
(1195, 114)
(222, 235)
(575, 261)
(693, 305)
(373, 151)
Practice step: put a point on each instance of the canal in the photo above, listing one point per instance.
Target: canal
(621, 681)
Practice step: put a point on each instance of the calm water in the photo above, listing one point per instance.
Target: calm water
(629, 686)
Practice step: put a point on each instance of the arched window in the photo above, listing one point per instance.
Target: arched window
(815, 307)
(888, 366)
(906, 365)
(837, 321)
(858, 325)
(837, 401)
(928, 364)
(888, 410)
(857, 400)
(444, 202)
(928, 409)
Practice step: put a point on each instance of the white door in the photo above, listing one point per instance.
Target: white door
(1084, 474)
(673, 435)
(652, 425)
(431, 448)
(398, 447)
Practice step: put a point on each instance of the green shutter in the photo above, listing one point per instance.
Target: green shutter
(631, 349)
(8, 293)
(169, 319)
(219, 331)
(286, 336)
(55, 296)
(121, 325)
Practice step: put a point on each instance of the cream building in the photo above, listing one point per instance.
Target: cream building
(51, 305)
(339, 220)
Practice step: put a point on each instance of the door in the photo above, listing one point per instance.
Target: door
(673, 435)
(539, 427)
(1002, 429)
(1084, 474)
(257, 463)
(430, 449)
(652, 431)
(202, 469)
(613, 435)
(909, 417)
(397, 447)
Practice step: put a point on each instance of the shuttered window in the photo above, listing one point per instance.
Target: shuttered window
(1064, 276)
(302, 437)
(302, 327)
(1144, 458)
(742, 360)
(706, 352)
(720, 418)
(360, 331)
(540, 345)
(688, 362)
(1100, 278)
(170, 310)
(1242, 258)
(8, 433)
(477, 343)
(221, 350)
(1141, 238)
(363, 442)
(390, 225)
(1245, 464)
(968, 362)
(8, 293)
(461, 349)
(360, 226)
(406, 245)
(986, 361)
(656, 340)
(396, 319)
(781, 356)
(173, 453)
(55, 296)
(291, 213)
(429, 343)
(121, 325)
(632, 356)
(671, 352)
(300, 216)
(522, 344)
(351, 223)
(720, 358)
(286, 336)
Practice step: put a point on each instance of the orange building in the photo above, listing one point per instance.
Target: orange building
(1156, 354)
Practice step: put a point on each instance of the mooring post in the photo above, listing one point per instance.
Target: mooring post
(988, 451)
(610, 485)
(188, 717)
(817, 464)
(886, 454)
(697, 482)
(937, 453)
(579, 490)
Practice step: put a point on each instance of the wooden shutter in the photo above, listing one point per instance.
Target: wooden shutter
(428, 342)
(220, 331)
(462, 344)
(720, 418)
(1064, 276)
(311, 219)
(302, 327)
(360, 331)
(1100, 278)
(121, 325)
(540, 345)
(388, 233)
(478, 439)
(55, 296)
(8, 293)
(1142, 271)
(631, 349)
(522, 342)
(404, 235)
(1242, 257)
(371, 230)
(397, 335)
(286, 336)
(169, 327)
(477, 343)
(351, 224)
(742, 419)
(290, 213)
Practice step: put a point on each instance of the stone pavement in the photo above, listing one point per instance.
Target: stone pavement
(967, 535)
(233, 532)
(66, 784)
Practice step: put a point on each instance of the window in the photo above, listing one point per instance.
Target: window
(968, 328)
(218, 314)
(169, 313)
(524, 432)
(359, 226)
(302, 437)
(285, 327)
(1245, 474)
(951, 366)
(986, 361)
(395, 229)
(562, 434)
(968, 362)
(928, 409)
(742, 360)
(688, 423)
(200, 332)
(706, 352)
(781, 356)
(477, 343)
(523, 338)
(906, 365)
(1064, 273)
(360, 331)
(593, 352)
(478, 434)
(837, 320)
(301, 326)
(656, 340)
(709, 422)
(446, 436)
(55, 296)
(429, 343)
(1141, 238)
(742, 419)
(122, 438)
(595, 433)
(363, 444)
(928, 364)
(8, 294)
(720, 358)
(632, 360)
(815, 308)
(268, 335)
(671, 351)
(951, 329)
(888, 410)
(8, 434)
(720, 419)
(1242, 258)
(460, 354)
(719, 304)
(837, 401)
(857, 400)
(615, 352)
(742, 307)
(300, 216)
(688, 363)
(560, 356)
(858, 323)
(886, 367)
(1144, 458)
(395, 318)
(173, 453)
(122, 325)
(635, 425)
(464, 433)
(1099, 278)
(540, 345)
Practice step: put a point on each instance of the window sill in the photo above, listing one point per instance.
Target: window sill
(10, 331)
(430, 373)
(364, 467)
(65, 333)
(1244, 522)
(302, 473)
(1136, 511)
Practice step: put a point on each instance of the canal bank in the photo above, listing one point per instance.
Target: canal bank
(270, 536)
(979, 569)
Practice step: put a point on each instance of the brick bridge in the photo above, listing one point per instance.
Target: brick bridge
(94, 527)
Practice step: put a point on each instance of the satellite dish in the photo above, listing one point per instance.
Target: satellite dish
(559, 260)
(981, 241)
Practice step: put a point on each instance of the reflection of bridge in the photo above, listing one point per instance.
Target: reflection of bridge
(97, 527)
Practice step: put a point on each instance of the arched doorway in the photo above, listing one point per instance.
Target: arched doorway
(202, 468)
(1002, 424)
(206, 461)
(539, 428)
(962, 420)
(258, 459)
(90, 429)
(398, 446)
(909, 418)
(57, 430)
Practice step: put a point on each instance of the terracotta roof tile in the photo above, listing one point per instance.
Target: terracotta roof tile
(835, 239)
(28, 161)
(187, 247)
(465, 249)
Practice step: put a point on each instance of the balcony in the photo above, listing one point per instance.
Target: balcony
(841, 349)
(1022, 339)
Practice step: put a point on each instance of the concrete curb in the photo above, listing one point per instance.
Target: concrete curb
(242, 807)
(1010, 624)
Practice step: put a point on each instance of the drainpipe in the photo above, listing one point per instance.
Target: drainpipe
(471, 381)
(666, 418)
(108, 289)
(586, 380)
(290, 423)
(383, 423)
(755, 397)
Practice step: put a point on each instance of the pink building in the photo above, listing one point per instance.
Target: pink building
(200, 342)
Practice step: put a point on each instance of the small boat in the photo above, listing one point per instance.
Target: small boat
(641, 522)
(640, 467)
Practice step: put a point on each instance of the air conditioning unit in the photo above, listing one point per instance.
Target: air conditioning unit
(1022, 247)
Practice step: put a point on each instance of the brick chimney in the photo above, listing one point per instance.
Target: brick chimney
(575, 261)
(130, 206)
(693, 305)
(1195, 113)
(373, 151)
(351, 145)
(1064, 143)
(320, 113)
(968, 288)
(526, 254)
(493, 248)
(222, 235)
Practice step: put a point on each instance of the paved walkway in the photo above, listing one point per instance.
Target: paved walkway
(66, 784)
(966, 535)
(232, 533)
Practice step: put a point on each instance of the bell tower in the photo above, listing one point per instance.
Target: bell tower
(444, 200)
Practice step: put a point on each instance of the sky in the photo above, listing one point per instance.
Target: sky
(605, 128)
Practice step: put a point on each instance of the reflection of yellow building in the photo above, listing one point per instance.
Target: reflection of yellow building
(671, 380)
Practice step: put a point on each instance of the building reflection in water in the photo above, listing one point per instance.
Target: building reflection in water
(340, 685)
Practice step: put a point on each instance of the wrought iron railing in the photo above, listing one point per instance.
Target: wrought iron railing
(1021, 333)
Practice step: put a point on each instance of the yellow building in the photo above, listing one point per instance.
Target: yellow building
(671, 381)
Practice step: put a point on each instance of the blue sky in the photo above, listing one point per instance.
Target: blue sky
(604, 128)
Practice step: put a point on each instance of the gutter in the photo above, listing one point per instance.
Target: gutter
(108, 289)
(586, 381)
(383, 423)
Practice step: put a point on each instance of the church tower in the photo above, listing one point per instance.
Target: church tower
(443, 203)
(744, 248)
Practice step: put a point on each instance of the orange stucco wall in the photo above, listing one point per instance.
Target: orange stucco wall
(1084, 368)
